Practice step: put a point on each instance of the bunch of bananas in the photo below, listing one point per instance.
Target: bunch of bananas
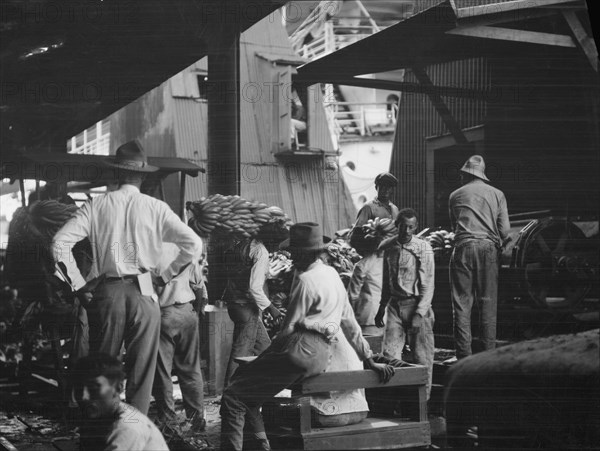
(279, 262)
(441, 240)
(232, 215)
(379, 228)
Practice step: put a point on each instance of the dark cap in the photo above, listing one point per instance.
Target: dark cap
(386, 178)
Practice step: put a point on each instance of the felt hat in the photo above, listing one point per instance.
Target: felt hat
(131, 157)
(305, 236)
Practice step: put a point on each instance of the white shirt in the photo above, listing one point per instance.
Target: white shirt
(134, 431)
(126, 229)
(181, 289)
(319, 302)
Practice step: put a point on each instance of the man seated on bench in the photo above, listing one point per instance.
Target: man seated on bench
(318, 308)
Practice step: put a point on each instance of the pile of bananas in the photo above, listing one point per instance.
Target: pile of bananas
(232, 215)
(441, 241)
(342, 258)
(379, 228)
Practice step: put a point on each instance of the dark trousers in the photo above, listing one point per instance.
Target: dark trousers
(474, 270)
(179, 349)
(119, 313)
(288, 360)
(249, 334)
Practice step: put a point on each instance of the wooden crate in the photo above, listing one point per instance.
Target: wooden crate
(375, 432)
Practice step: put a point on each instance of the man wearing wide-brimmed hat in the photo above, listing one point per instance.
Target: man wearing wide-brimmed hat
(479, 215)
(127, 230)
(318, 309)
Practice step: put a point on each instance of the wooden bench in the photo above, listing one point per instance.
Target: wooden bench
(375, 432)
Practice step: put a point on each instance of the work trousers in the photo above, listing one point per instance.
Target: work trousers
(250, 336)
(288, 360)
(179, 349)
(119, 313)
(474, 270)
(399, 315)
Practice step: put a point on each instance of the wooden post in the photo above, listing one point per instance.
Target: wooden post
(22, 188)
(182, 195)
(223, 134)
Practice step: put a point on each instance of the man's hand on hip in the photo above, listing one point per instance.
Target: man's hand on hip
(84, 297)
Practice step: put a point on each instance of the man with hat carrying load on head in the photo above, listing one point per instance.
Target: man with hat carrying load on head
(479, 216)
(127, 230)
(380, 207)
(364, 289)
(318, 309)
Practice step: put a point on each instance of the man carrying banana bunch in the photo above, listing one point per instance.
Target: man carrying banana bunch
(247, 264)
(380, 207)
(364, 289)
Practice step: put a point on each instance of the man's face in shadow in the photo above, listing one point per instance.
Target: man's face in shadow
(384, 192)
(98, 397)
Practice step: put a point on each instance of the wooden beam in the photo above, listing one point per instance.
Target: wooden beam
(440, 105)
(508, 17)
(350, 380)
(508, 34)
(403, 86)
(501, 7)
(473, 134)
(586, 43)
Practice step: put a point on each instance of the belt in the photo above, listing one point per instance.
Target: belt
(403, 300)
(238, 302)
(130, 277)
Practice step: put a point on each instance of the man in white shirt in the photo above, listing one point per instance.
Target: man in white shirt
(126, 229)
(179, 350)
(109, 424)
(318, 309)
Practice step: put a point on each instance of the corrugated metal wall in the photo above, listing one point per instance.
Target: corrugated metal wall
(541, 128)
(418, 119)
(304, 188)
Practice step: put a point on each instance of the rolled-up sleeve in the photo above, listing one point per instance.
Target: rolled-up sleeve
(301, 299)
(385, 282)
(258, 276)
(503, 222)
(356, 283)
(426, 278)
(353, 333)
(75, 230)
(190, 244)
